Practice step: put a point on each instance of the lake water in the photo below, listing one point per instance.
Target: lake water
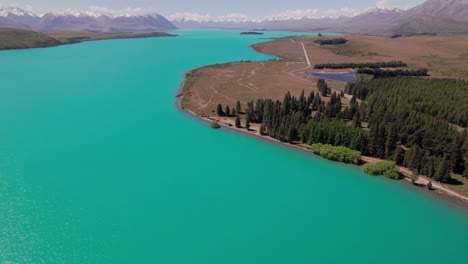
(97, 165)
(339, 77)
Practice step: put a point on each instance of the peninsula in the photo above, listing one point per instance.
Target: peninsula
(26, 39)
(282, 101)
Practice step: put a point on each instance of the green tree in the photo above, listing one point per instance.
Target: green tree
(399, 156)
(219, 110)
(429, 185)
(390, 143)
(227, 112)
(262, 130)
(414, 177)
(238, 107)
(442, 172)
(247, 123)
(238, 122)
(233, 112)
(292, 134)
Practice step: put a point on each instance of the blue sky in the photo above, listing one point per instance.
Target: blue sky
(220, 8)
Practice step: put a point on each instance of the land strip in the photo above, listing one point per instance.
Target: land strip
(26, 39)
(226, 84)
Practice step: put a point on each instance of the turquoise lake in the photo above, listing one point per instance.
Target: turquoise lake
(97, 165)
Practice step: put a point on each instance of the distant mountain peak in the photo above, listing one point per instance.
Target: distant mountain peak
(95, 19)
(8, 11)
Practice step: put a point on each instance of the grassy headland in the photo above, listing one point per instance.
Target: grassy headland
(26, 39)
(278, 101)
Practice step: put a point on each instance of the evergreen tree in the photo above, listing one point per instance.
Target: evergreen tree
(310, 99)
(227, 112)
(357, 120)
(414, 177)
(399, 156)
(262, 130)
(363, 111)
(391, 142)
(292, 134)
(247, 123)
(429, 185)
(442, 172)
(250, 111)
(219, 110)
(323, 87)
(233, 112)
(238, 122)
(238, 107)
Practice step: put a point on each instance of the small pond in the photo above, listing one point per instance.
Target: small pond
(340, 77)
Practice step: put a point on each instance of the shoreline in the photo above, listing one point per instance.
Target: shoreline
(405, 172)
(57, 39)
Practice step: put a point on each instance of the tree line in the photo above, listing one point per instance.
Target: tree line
(371, 65)
(445, 99)
(379, 73)
(334, 41)
(390, 124)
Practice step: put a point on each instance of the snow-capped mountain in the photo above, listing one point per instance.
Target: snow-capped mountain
(372, 18)
(19, 15)
(433, 16)
(91, 20)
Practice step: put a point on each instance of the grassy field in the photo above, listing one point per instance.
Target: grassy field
(226, 84)
(444, 56)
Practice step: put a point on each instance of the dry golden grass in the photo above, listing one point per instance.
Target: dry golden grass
(242, 81)
(225, 84)
(444, 56)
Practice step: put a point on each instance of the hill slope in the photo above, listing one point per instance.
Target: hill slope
(24, 39)
(428, 24)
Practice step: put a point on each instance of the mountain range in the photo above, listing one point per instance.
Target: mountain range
(433, 16)
(70, 20)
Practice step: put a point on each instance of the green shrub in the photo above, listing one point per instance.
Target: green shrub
(215, 125)
(339, 153)
(386, 168)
